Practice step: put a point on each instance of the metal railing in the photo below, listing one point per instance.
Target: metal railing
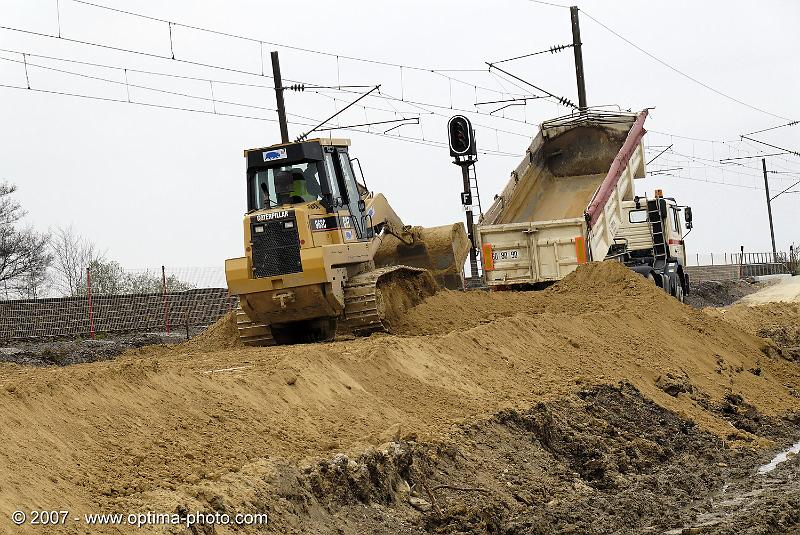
(750, 263)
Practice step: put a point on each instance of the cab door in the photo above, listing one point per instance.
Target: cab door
(677, 249)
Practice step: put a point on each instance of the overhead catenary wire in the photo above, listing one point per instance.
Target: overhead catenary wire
(790, 123)
(344, 88)
(685, 75)
(551, 4)
(140, 71)
(143, 53)
(261, 42)
(561, 100)
(712, 182)
(248, 117)
(793, 152)
(138, 103)
(206, 79)
(139, 86)
(423, 105)
(553, 49)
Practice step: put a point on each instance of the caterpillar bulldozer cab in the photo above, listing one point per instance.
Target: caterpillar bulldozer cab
(325, 255)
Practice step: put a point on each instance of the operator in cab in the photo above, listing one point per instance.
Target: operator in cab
(294, 186)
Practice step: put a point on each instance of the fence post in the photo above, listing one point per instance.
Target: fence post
(164, 294)
(712, 259)
(89, 296)
(741, 260)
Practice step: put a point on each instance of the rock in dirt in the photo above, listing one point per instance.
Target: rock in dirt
(674, 384)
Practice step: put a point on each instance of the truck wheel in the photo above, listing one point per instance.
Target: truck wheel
(679, 295)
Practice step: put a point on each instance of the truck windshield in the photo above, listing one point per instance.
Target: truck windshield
(306, 184)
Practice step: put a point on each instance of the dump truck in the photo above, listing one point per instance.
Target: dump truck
(573, 200)
(324, 255)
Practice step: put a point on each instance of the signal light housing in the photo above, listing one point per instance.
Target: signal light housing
(461, 137)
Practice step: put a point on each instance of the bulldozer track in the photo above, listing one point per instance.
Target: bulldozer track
(362, 309)
(252, 333)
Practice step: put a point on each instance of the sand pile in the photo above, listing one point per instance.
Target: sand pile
(221, 335)
(779, 323)
(761, 318)
(147, 431)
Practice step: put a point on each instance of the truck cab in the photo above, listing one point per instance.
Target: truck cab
(650, 240)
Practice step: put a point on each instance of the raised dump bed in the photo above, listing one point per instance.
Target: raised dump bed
(562, 205)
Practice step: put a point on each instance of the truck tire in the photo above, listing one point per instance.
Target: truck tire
(679, 294)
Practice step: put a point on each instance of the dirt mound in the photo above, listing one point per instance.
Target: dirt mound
(721, 293)
(400, 291)
(220, 336)
(779, 323)
(604, 457)
(173, 425)
(761, 318)
(592, 287)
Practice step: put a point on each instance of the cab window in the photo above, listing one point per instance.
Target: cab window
(637, 216)
(306, 184)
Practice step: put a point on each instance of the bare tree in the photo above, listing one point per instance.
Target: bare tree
(23, 251)
(72, 254)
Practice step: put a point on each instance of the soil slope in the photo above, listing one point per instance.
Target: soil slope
(165, 425)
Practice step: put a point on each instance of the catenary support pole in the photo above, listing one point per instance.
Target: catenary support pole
(769, 210)
(276, 73)
(576, 48)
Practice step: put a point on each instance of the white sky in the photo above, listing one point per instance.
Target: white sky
(158, 186)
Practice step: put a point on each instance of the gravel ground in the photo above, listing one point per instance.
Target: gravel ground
(61, 352)
(722, 293)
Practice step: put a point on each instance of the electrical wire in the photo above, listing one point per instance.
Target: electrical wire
(249, 117)
(228, 69)
(712, 182)
(139, 86)
(685, 75)
(551, 4)
(553, 49)
(262, 42)
(422, 106)
(793, 152)
(147, 104)
(304, 86)
(790, 123)
(142, 53)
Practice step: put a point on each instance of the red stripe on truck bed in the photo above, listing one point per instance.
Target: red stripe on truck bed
(619, 164)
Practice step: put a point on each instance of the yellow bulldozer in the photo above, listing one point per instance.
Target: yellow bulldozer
(324, 255)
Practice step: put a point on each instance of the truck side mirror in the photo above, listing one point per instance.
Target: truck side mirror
(687, 215)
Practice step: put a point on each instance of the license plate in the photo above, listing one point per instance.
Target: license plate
(513, 254)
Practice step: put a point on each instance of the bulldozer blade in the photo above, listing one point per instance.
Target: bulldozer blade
(441, 250)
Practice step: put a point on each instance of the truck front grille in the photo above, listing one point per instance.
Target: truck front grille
(275, 248)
